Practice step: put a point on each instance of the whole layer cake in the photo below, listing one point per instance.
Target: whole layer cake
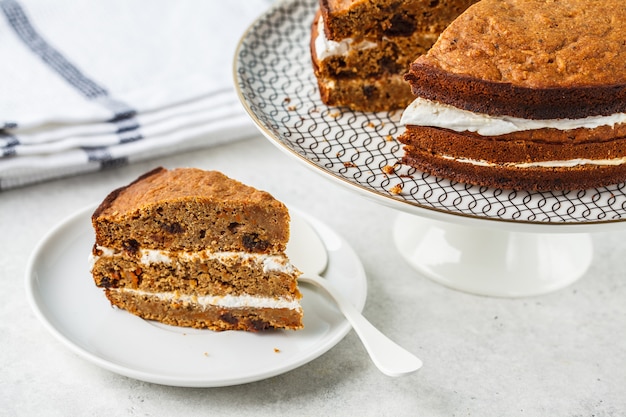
(361, 49)
(195, 248)
(523, 94)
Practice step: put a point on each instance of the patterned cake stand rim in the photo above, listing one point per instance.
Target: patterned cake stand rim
(434, 240)
(407, 206)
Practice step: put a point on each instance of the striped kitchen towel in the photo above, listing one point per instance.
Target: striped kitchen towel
(93, 84)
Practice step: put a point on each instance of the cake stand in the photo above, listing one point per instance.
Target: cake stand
(480, 240)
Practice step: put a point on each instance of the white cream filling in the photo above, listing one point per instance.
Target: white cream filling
(325, 48)
(541, 164)
(423, 112)
(270, 263)
(227, 301)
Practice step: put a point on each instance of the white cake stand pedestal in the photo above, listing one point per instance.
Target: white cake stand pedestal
(492, 260)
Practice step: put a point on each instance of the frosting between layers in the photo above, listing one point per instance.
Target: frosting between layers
(270, 263)
(541, 164)
(423, 112)
(226, 301)
(325, 48)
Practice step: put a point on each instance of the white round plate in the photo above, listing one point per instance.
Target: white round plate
(64, 297)
(275, 81)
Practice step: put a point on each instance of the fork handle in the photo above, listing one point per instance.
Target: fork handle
(388, 356)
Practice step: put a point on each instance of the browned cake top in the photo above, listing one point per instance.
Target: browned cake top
(536, 43)
(183, 183)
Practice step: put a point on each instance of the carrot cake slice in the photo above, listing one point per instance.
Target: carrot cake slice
(195, 248)
(523, 94)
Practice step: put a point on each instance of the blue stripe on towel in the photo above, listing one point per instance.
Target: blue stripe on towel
(19, 21)
(103, 156)
(7, 144)
(24, 29)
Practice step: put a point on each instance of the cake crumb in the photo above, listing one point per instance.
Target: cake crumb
(276, 350)
(389, 138)
(349, 165)
(206, 354)
(334, 114)
(395, 113)
(396, 189)
(388, 169)
(291, 108)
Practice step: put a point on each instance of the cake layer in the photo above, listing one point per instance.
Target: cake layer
(498, 98)
(515, 148)
(191, 209)
(517, 178)
(384, 18)
(520, 160)
(535, 59)
(381, 93)
(200, 274)
(178, 310)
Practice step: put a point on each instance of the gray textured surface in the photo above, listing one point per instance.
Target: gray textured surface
(562, 354)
